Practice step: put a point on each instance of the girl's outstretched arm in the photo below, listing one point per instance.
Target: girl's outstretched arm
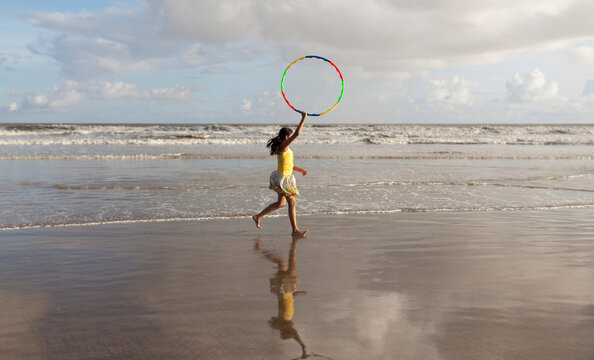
(296, 133)
(302, 171)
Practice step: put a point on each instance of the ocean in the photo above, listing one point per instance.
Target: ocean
(76, 175)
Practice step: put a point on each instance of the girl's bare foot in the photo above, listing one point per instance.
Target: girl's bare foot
(299, 232)
(257, 221)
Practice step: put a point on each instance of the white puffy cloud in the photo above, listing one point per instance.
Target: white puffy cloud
(117, 90)
(391, 38)
(263, 106)
(531, 87)
(62, 96)
(11, 107)
(65, 99)
(454, 92)
(121, 90)
(246, 105)
(36, 100)
(72, 92)
(582, 55)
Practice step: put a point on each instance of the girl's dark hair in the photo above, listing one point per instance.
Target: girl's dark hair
(276, 142)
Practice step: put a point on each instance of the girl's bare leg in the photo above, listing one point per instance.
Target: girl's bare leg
(270, 208)
(293, 217)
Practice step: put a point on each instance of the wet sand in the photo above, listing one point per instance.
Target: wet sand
(459, 285)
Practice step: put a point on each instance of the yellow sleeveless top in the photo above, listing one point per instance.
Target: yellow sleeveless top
(285, 162)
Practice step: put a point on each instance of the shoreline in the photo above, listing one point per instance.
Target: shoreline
(354, 213)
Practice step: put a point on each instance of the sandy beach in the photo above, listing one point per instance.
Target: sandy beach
(454, 285)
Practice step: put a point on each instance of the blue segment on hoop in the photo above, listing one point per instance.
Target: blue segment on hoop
(317, 57)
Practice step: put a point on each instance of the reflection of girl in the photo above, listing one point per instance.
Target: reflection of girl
(284, 285)
(282, 180)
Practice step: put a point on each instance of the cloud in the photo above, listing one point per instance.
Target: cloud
(194, 55)
(117, 90)
(588, 88)
(6, 59)
(175, 92)
(401, 36)
(71, 92)
(84, 57)
(262, 106)
(121, 40)
(11, 107)
(377, 39)
(454, 92)
(246, 105)
(582, 55)
(121, 90)
(531, 87)
(111, 41)
(62, 96)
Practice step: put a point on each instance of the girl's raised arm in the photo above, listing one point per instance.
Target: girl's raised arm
(296, 133)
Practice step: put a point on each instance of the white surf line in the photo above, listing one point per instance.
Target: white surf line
(337, 212)
(117, 222)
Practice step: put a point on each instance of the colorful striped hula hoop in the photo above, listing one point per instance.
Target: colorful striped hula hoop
(312, 57)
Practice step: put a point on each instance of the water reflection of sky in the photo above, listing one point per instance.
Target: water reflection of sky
(430, 286)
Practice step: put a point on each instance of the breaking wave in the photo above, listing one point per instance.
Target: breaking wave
(158, 135)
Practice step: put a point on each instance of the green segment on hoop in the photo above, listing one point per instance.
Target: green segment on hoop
(337, 101)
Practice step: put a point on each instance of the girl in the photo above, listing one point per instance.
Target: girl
(282, 180)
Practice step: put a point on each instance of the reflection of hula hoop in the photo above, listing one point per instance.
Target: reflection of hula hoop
(312, 57)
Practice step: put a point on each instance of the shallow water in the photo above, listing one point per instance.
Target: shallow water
(65, 175)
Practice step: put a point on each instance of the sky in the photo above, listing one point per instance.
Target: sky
(221, 61)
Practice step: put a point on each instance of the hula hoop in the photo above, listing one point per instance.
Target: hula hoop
(312, 57)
